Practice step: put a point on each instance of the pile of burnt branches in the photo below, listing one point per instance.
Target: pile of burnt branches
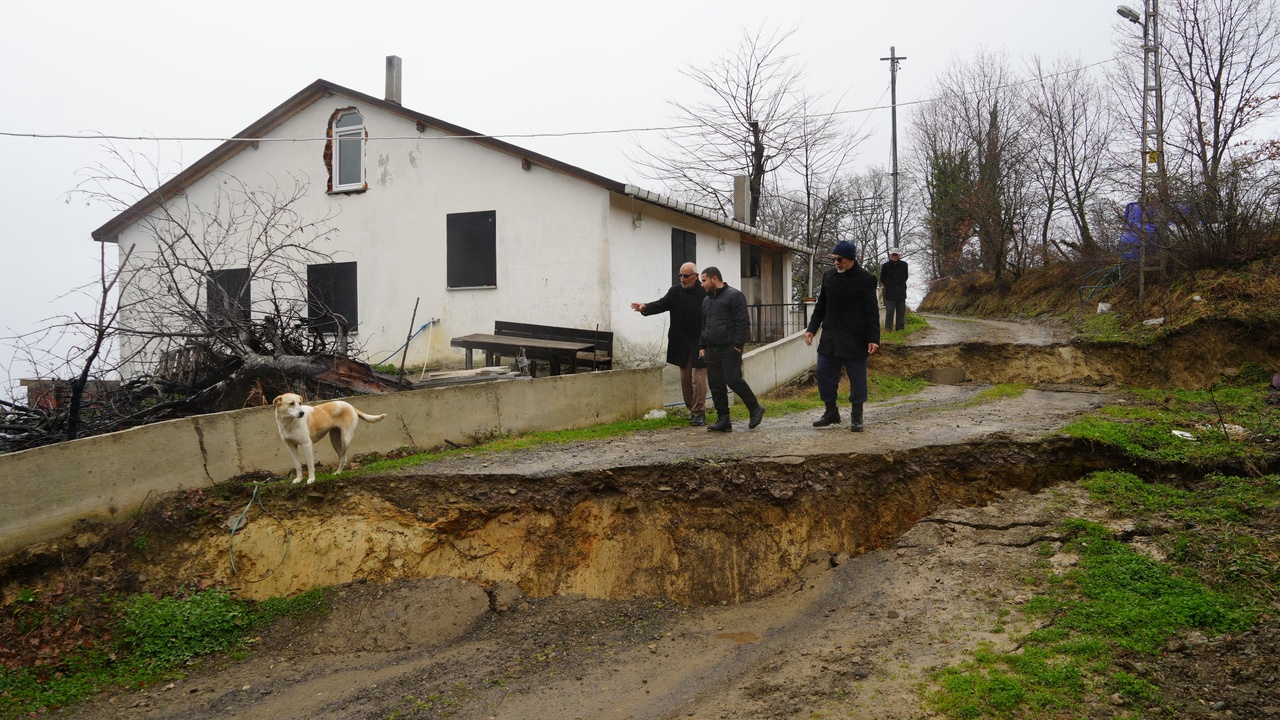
(197, 378)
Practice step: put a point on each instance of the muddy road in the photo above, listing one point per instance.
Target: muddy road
(784, 572)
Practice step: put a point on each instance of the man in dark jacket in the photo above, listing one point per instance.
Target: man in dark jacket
(684, 302)
(725, 328)
(893, 276)
(850, 319)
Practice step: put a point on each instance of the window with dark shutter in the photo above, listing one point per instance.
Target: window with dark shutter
(227, 300)
(750, 261)
(471, 244)
(684, 248)
(332, 297)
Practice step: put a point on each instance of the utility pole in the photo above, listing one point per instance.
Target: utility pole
(1152, 138)
(893, 99)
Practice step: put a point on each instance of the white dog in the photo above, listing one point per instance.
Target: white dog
(302, 425)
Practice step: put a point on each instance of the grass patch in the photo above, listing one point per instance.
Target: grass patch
(1223, 569)
(996, 393)
(1226, 423)
(1115, 598)
(913, 324)
(1122, 596)
(1106, 328)
(1225, 537)
(122, 641)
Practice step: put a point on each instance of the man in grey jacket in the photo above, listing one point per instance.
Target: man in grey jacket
(725, 328)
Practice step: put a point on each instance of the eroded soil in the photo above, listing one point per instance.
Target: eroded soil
(784, 572)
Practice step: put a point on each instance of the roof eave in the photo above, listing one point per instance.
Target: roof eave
(680, 206)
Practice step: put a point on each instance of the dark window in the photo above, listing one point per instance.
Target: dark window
(331, 296)
(750, 260)
(472, 248)
(684, 248)
(227, 300)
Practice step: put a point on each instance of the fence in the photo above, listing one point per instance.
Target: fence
(770, 323)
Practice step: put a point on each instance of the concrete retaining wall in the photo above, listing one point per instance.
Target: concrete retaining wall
(44, 491)
(778, 363)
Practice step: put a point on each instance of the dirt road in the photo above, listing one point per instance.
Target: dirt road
(845, 636)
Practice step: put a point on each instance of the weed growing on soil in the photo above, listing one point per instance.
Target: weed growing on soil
(913, 324)
(1114, 599)
(124, 641)
(1224, 423)
(998, 392)
(1223, 569)
(1227, 525)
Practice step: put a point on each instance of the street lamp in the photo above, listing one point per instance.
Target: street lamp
(1129, 14)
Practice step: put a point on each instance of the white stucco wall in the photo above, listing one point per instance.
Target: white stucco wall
(568, 251)
(551, 257)
(641, 268)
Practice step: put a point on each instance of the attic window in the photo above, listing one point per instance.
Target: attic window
(348, 152)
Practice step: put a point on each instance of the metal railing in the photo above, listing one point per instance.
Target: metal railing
(770, 323)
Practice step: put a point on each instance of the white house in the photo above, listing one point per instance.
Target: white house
(472, 228)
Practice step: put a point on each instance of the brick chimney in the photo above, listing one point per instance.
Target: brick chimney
(394, 72)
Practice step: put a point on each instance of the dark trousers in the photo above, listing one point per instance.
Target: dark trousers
(892, 308)
(829, 378)
(724, 373)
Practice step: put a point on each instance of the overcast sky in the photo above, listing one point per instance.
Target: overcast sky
(186, 70)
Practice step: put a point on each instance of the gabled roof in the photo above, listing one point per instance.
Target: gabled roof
(323, 88)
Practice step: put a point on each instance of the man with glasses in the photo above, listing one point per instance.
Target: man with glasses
(850, 319)
(684, 302)
(726, 326)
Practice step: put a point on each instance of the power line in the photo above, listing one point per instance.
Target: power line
(505, 136)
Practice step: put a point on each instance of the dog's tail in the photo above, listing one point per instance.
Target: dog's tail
(370, 418)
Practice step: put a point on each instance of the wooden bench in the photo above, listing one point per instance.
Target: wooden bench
(600, 359)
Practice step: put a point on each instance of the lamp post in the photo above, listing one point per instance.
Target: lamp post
(1152, 124)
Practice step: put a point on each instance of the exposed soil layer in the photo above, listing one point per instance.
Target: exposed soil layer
(783, 572)
(1193, 357)
(695, 516)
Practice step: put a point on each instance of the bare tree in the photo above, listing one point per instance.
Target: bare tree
(823, 149)
(1074, 132)
(208, 301)
(750, 127)
(1224, 63)
(972, 152)
(868, 220)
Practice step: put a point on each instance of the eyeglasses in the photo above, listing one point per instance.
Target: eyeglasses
(688, 275)
(840, 258)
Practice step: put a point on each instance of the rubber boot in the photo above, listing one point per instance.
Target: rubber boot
(830, 417)
(856, 425)
(722, 424)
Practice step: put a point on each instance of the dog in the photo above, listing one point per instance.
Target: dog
(302, 425)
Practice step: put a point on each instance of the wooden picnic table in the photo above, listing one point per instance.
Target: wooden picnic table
(497, 346)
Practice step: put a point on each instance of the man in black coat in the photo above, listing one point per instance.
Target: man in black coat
(893, 276)
(684, 302)
(849, 317)
(726, 325)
